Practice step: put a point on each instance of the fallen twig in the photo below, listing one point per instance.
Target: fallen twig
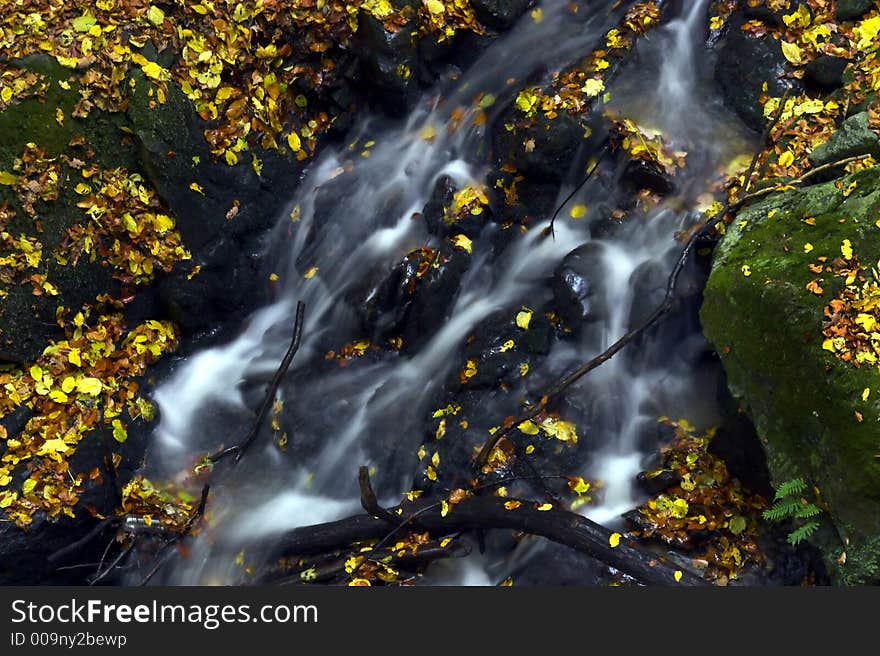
(269, 399)
(485, 512)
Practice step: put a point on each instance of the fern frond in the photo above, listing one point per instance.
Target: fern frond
(807, 510)
(802, 533)
(782, 509)
(790, 488)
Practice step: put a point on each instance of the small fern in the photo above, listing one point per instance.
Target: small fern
(802, 533)
(807, 510)
(788, 504)
(790, 488)
(782, 509)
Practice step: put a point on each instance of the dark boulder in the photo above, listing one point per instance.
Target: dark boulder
(539, 148)
(388, 62)
(743, 66)
(848, 10)
(825, 73)
(655, 481)
(577, 286)
(414, 298)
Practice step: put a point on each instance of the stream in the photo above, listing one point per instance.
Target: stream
(352, 216)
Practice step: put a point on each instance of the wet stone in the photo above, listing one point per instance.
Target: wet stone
(577, 286)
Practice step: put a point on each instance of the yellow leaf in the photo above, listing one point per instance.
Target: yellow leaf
(7, 178)
(90, 386)
(512, 505)
(786, 158)
(808, 247)
(195, 186)
(593, 87)
(155, 15)
(545, 507)
(578, 211)
(528, 428)
(444, 508)
(53, 446)
(68, 384)
(792, 52)
(294, 142)
(865, 393)
(746, 270)
(614, 540)
(677, 575)
(120, 434)
(155, 72)
(846, 249)
(6, 499)
(310, 273)
(828, 345)
(523, 318)
(435, 6)
(231, 158)
(58, 396)
(36, 372)
(463, 242)
(28, 486)
(6, 94)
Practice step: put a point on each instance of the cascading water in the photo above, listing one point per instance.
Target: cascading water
(353, 213)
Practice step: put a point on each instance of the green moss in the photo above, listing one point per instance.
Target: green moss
(767, 329)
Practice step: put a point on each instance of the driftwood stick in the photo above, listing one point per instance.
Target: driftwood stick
(483, 512)
(239, 450)
(369, 500)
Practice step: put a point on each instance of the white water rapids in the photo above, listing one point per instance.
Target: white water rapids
(369, 224)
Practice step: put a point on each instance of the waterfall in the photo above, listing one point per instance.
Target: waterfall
(331, 248)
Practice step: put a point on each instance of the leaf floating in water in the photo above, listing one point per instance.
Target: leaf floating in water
(614, 540)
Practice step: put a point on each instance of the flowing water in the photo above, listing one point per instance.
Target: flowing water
(337, 413)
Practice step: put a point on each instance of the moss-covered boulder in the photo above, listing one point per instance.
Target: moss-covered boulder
(790, 308)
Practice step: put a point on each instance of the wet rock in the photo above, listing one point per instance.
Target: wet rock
(24, 554)
(848, 10)
(555, 564)
(539, 148)
(648, 284)
(498, 347)
(388, 62)
(647, 175)
(577, 286)
(229, 284)
(499, 14)
(853, 137)
(764, 14)
(444, 219)
(743, 66)
(826, 72)
(655, 481)
(414, 298)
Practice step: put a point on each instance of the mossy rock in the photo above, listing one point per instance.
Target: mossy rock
(28, 321)
(767, 328)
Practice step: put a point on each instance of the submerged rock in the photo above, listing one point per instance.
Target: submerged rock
(765, 311)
